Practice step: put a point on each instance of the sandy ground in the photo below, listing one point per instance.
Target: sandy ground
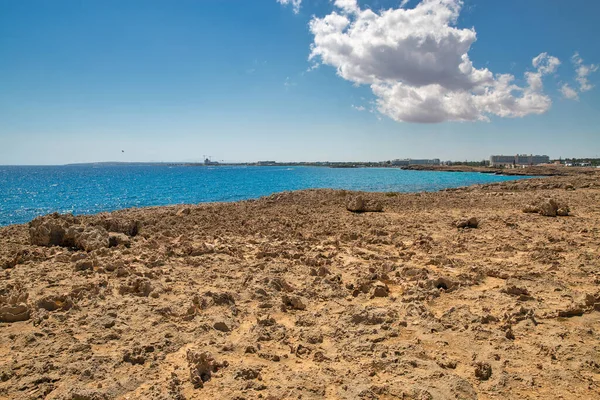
(294, 297)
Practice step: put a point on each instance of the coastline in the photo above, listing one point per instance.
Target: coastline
(527, 171)
(39, 190)
(292, 295)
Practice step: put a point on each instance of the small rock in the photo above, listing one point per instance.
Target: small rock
(380, 289)
(292, 302)
(221, 326)
(84, 265)
(483, 371)
(184, 211)
(202, 365)
(467, 223)
(118, 239)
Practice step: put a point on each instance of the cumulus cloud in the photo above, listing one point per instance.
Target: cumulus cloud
(417, 64)
(568, 92)
(583, 71)
(295, 4)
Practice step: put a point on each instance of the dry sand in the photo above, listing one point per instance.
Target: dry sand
(294, 297)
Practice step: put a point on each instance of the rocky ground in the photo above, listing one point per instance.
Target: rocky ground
(294, 296)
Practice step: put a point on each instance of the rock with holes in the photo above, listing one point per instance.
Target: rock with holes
(442, 283)
(55, 303)
(137, 355)
(548, 208)
(483, 371)
(130, 227)
(202, 366)
(359, 204)
(379, 289)
(88, 238)
(14, 312)
(248, 374)
(137, 286)
(51, 230)
(13, 305)
(373, 316)
(116, 239)
(292, 302)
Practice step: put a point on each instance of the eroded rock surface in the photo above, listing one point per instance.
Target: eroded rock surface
(292, 296)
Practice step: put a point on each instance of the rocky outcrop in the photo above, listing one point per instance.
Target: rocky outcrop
(359, 204)
(202, 366)
(51, 230)
(548, 208)
(13, 305)
(129, 227)
(65, 230)
(88, 238)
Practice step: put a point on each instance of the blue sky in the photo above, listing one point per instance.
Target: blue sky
(81, 81)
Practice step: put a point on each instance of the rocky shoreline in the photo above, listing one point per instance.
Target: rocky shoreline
(485, 292)
(549, 170)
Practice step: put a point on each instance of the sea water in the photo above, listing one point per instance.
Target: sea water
(26, 192)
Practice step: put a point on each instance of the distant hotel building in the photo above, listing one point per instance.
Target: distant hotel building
(519, 160)
(266, 163)
(410, 161)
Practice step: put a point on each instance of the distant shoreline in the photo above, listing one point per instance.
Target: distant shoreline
(540, 170)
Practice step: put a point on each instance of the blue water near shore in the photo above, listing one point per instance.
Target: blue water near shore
(26, 192)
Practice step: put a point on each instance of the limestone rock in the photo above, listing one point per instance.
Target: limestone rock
(483, 371)
(184, 211)
(55, 303)
(130, 227)
(88, 238)
(291, 302)
(359, 204)
(14, 313)
(51, 230)
(467, 223)
(13, 306)
(221, 326)
(202, 366)
(380, 289)
(118, 239)
(548, 208)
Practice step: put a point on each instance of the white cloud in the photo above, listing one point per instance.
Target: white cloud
(583, 71)
(358, 108)
(568, 92)
(546, 64)
(417, 64)
(347, 6)
(295, 4)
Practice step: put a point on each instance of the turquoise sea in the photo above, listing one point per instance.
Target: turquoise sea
(26, 192)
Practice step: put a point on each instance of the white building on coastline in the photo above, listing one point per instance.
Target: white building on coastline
(519, 160)
(410, 161)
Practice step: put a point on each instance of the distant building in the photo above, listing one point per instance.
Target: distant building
(399, 162)
(266, 163)
(410, 161)
(208, 161)
(519, 160)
